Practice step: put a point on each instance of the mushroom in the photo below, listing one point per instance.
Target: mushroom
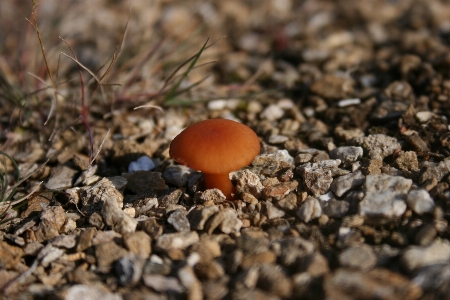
(216, 147)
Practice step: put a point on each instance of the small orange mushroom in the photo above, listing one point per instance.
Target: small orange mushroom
(216, 147)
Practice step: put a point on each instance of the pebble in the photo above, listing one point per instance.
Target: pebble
(208, 249)
(140, 182)
(273, 212)
(10, 255)
(279, 190)
(144, 205)
(85, 291)
(272, 279)
(254, 260)
(215, 196)
(179, 240)
(349, 102)
(107, 253)
(253, 241)
(290, 250)
(93, 197)
(117, 218)
(424, 116)
(373, 284)
(359, 257)
(343, 184)
(407, 161)
(347, 154)
(61, 178)
(310, 209)
(163, 284)
(416, 257)
(335, 208)
(178, 219)
(177, 175)
(266, 160)
(378, 145)
(434, 280)
(64, 241)
(317, 177)
(425, 235)
(249, 182)
(198, 216)
(53, 217)
(434, 171)
(138, 243)
(384, 198)
(143, 163)
(129, 269)
(226, 220)
(272, 113)
(420, 201)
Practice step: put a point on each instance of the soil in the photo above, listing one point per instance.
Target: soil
(348, 199)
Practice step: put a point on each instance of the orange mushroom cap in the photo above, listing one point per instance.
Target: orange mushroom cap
(215, 146)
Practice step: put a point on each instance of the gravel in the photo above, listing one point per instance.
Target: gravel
(349, 197)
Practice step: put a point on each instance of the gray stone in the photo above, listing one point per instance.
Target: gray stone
(335, 208)
(140, 182)
(199, 216)
(434, 171)
(343, 184)
(61, 178)
(178, 219)
(129, 269)
(347, 154)
(385, 198)
(177, 175)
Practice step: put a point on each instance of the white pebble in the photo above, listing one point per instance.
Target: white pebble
(420, 201)
(143, 163)
(272, 112)
(348, 102)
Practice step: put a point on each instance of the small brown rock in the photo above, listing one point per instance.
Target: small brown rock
(107, 253)
(138, 243)
(257, 259)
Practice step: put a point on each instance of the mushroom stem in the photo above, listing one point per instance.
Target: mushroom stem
(221, 182)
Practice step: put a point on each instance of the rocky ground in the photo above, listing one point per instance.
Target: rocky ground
(349, 198)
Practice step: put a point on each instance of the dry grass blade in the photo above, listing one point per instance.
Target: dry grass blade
(99, 147)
